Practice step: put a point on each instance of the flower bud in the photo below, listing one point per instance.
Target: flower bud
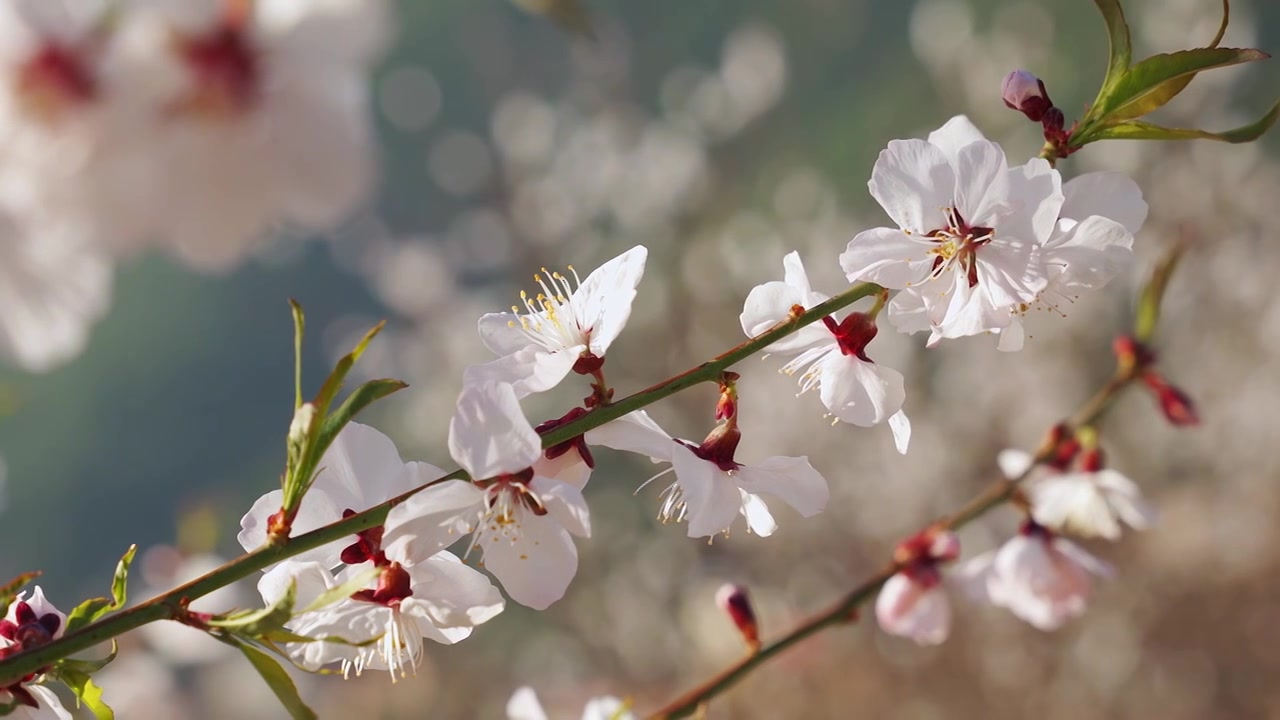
(727, 405)
(301, 424)
(1177, 407)
(733, 600)
(1025, 93)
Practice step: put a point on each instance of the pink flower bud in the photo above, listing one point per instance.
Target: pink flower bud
(1025, 93)
(733, 600)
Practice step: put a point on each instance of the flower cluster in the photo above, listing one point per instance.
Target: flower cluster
(979, 243)
(1038, 575)
(195, 127)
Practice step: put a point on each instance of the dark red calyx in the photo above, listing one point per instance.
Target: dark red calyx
(1030, 528)
(393, 585)
(1092, 460)
(366, 548)
(853, 333)
(588, 363)
(577, 442)
(720, 446)
(29, 630)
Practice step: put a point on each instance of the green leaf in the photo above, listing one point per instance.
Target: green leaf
(1145, 87)
(359, 399)
(279, 682)
(1118, 35)
(357, 583)
(299, 326)
(75, 665)
(1170, 89)
(254, 623)
(1138, 130)
(89, 694)
(94, 608)
(1148, 314)
(13, 587)
(333, 383)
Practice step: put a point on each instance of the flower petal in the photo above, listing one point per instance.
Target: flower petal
(1109, 194)
(317, 510)
(537, 563)
(901, 428)
(635, 432)
(452, 594)
(759, 520)
(790, 479)
(953, 135)
(888, 257)
(913, 181)
(860, 392)
(528, 371)
(431, 520)
(489, 435)
(565, 504)
(712, 498)
(982, 183)
(602, 304)
(503, 334)
(1089, 253)
(524, 705)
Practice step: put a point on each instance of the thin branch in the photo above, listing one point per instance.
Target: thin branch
(172, 604)
(845, 610)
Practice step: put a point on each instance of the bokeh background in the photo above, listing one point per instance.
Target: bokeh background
(721, 134)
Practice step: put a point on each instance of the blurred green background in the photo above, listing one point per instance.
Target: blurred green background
(182, 399)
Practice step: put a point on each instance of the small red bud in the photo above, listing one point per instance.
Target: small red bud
(1177, 407)
(735, 602)
(1092, 460)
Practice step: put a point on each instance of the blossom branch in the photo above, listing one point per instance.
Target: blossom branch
(172, 604)
(845, 610)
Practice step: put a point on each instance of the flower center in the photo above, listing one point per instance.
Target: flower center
(957, 246)
(400, 648)
(548, 316)
(53, 81)
(393, 585)
(224, 67)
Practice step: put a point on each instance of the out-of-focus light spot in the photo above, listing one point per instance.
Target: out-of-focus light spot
(460, 163)
(409, 97)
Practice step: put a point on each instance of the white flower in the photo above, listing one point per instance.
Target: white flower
(521, 507)
(30, 623)
(1083, 503)
(711, 489)
(524, 705)
(914, 605)
(852, 387)
(52, 289)
(1091, 243)
(36, 702)
(968, 226)
(264, 116)
(560, 325)
(360, 469)
(75, 125)
(439, 599)
(1039, 577)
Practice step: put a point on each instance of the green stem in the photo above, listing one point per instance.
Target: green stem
(172, 604)
(844, 611)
